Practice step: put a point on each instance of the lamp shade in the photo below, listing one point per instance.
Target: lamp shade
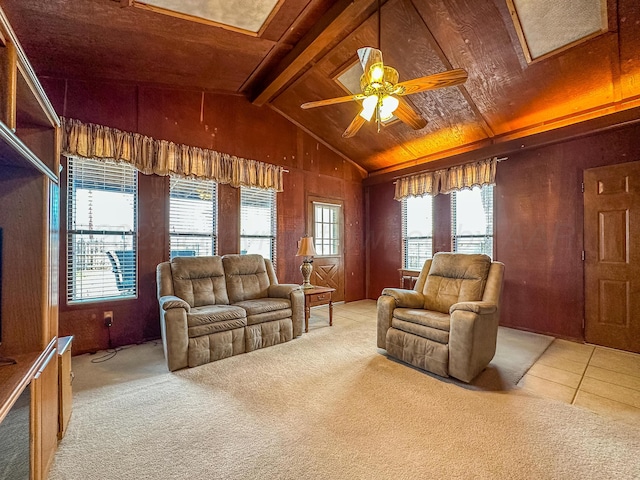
(306, 248)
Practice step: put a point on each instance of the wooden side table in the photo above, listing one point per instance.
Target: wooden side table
(408, 277)
(317, 296)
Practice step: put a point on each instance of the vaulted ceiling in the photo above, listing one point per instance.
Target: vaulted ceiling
(305, 44)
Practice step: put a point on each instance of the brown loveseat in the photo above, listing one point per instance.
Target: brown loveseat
(448, 324)
(215, 307)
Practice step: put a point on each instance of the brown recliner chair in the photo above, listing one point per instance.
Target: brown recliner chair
(448, 324)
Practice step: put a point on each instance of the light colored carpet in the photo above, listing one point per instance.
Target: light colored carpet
(327, 405)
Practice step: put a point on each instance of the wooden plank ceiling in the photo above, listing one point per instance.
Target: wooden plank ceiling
(307, 43)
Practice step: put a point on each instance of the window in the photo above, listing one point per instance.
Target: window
(326, 228)
(102, 209)
(417, 231)
(472, 220)
(258, 222)
(192, 217)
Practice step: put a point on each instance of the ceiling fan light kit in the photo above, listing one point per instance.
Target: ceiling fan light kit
(380, 91)
(382, 94)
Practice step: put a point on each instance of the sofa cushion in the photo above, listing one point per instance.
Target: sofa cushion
(455, 278)
(199, 280)
(214, 318)
(246, 277)
(418, 351)
(440, 336)
(427, 318)
(262, 305)
(266, 309)
(216, 346)
(268, 334)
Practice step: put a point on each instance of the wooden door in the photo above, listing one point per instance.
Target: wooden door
(326, 220)
(612, 256)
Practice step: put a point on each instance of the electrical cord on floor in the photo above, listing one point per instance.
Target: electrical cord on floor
(110, 352)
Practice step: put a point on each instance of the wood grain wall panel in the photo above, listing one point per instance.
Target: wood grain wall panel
(173, 115)
(248, 131)
(153, 248)
(226, 123)
(538, 230)
(111, 104)
(355, 251)
(442, 223)
(228, 220)
(384, 238)
(538, 195)
(291, 226)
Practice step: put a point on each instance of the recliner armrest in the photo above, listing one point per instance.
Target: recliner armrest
(405, 298)
(171, 301)
(480, 308)
(282, 290)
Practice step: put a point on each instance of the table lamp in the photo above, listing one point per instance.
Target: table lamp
(306, 250)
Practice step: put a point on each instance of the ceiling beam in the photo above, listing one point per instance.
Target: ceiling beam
(333, 27)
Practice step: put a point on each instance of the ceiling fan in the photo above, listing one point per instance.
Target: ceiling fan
(381, 94)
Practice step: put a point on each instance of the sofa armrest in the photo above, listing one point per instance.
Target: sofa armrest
(297, 310)
(175, 331)
(405, 298)
(480, 308)
(282, 290)
(171, 301)
(385, 307)
(472, 338)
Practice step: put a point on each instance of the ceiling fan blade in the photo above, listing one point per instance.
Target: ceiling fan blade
(352, 129)
(408, 115)
(370, 59)
(331, 101)
(431, 82)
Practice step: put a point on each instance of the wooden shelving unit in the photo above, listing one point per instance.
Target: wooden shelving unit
(29, 192)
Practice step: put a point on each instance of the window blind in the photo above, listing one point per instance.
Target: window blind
(101, 230)
(192, 217)
(258, 222)
(417, 231)
(472, 220)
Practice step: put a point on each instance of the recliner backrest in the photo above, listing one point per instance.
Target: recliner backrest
(455, 278)
(246, 277)
(199, 280)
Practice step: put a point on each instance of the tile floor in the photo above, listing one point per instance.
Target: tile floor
(597, 378)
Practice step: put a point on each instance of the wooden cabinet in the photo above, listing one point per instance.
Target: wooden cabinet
(29, 192)
(44, 415)
(65, 380)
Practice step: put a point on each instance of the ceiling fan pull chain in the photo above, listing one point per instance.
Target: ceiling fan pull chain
(379, 28)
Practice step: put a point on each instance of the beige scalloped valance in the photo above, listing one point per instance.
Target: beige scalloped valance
(447, 180)
(88, 140)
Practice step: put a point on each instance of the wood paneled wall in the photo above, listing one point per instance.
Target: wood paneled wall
(538, 230)
(225, 123)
